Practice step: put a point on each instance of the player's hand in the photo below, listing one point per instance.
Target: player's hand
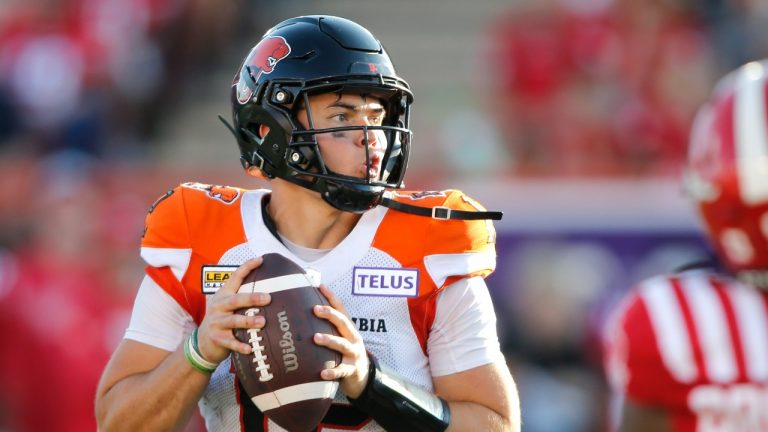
(215, 337)
(352, 372)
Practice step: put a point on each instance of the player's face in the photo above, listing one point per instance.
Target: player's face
(344, 152)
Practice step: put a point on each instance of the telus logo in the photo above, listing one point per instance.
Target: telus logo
(387, 282)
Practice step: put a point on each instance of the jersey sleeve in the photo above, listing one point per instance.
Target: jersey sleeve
(157, 319)
(633, 362)
(464, 334)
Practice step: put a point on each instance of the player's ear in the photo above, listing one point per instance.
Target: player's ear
(254, 171)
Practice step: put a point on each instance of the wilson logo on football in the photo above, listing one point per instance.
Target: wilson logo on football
(290, 360)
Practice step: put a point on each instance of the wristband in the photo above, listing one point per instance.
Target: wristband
(397, 404)
(192, 353)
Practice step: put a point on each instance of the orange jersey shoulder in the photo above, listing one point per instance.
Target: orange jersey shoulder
(467, 245)
(194, 215)
(188, 227)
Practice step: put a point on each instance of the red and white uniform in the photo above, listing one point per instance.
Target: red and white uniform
(423, 331)
(695, 344)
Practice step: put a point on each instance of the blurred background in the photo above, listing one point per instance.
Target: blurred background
(571, 116)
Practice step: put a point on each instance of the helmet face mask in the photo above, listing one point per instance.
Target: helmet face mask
(307, 56)
(727, 172)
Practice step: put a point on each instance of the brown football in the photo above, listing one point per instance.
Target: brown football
(282, 375)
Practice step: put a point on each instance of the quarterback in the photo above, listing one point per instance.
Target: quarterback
(319, 112)
(689, 352)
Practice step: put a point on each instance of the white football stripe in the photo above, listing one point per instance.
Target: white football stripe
(296, 393)
(275, 284)
(753, 324)
(712, 329)
(669, 328)
(750, 132)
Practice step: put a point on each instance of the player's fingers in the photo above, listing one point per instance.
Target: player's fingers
(345, 347)
(228, 341)
(234, 281)
(245, 300)
(332, 299)
(216, 339)
(343, 370)
(342, 323)
(238, 321)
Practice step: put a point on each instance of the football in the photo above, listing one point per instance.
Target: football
(282, 375)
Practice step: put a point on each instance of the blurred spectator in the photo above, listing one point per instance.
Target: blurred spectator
(551, 296)
(584, 83)
(68, 282)
(100, 76)
(61, 311)
(739, 31)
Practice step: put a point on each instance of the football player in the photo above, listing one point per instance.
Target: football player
(318, 111)
(689, 351)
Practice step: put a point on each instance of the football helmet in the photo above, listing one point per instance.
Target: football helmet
(727, 171)
(308, 55)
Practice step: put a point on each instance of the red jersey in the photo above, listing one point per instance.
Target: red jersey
(695, 344)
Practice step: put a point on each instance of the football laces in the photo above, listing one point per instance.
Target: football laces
(259, 357)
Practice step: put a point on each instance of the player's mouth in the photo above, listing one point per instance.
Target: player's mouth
(371, 169)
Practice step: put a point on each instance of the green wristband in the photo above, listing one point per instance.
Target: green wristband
(192, 353)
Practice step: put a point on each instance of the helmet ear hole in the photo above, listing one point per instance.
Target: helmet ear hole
(263, 130)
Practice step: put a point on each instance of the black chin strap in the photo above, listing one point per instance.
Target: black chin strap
(440, 212)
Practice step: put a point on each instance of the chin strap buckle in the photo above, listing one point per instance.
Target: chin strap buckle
(441, 213)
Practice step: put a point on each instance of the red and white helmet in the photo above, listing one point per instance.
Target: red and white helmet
(727, 172)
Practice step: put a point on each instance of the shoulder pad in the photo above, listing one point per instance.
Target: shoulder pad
(166, 223)
(225, 194)
(457, 235)
(447, 236)
(189, 204)
(447, 248)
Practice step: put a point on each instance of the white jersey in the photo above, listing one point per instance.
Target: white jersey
(198, 234)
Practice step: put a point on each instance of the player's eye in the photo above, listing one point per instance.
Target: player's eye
(376, 119)
(340, 117)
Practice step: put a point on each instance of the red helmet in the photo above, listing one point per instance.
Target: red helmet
(727, 172)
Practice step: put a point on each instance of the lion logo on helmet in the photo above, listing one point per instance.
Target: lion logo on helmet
(262, 60)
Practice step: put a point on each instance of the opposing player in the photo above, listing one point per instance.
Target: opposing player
(319, 111)
(689, 351)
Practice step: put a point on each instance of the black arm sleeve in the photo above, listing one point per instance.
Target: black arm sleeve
(398, 405)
